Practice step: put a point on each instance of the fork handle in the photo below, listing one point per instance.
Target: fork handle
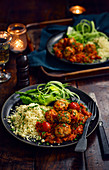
(86, 126)
(104, 142)
(82, 143)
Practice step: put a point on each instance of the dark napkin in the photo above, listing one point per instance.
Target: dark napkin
(40, 57)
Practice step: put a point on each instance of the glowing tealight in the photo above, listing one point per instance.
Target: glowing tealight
(77, 9)
(19, 40)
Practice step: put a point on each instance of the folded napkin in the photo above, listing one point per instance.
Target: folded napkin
(40, 57)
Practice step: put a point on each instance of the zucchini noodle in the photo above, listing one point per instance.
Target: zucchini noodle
(84, 31)
(47, 93)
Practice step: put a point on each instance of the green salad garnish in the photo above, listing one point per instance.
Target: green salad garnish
(47, 93)
(84, 31)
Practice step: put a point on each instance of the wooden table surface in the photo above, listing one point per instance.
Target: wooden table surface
(15, 154)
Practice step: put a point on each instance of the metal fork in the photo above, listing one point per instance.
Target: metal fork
(82, 143)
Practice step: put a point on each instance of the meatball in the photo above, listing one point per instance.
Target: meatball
(74, 115)
(79, 47)
(51, 116)
(89, 48)
(68, 52)
(71, 41)
(58, 53)
(62, 130)
(61, 104)
(61, 43)
(64, 117)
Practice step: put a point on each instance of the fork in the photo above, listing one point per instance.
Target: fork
(82, 143)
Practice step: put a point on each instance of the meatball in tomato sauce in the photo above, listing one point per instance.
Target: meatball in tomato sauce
(74, 115)
(68, 52)
(62, 130)
(51, 116)
(64, 116)
(71, 41)
(61, 104)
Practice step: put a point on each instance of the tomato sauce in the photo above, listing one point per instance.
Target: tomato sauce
(71, 50)
(63, 124)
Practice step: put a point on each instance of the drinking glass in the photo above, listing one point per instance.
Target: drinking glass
(5, 39)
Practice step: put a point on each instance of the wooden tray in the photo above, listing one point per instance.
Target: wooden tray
(94, 72)
(33, 36)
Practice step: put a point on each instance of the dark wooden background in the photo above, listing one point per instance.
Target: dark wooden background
(28, 11)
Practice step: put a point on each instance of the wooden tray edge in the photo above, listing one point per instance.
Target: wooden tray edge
(86, 73)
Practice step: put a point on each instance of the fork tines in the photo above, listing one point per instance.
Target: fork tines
(92, 108)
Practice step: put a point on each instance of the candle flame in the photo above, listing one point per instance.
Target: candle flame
(19, 43)
(77, 9)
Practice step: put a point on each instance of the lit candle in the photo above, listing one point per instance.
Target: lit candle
(19, 40)
(17, 46)
(77, 9)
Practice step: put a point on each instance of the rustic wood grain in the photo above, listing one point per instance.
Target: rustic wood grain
(100, 87)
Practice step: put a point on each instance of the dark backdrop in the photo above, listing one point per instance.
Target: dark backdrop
(28, 11)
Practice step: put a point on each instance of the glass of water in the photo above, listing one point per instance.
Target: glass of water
(5, 39)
